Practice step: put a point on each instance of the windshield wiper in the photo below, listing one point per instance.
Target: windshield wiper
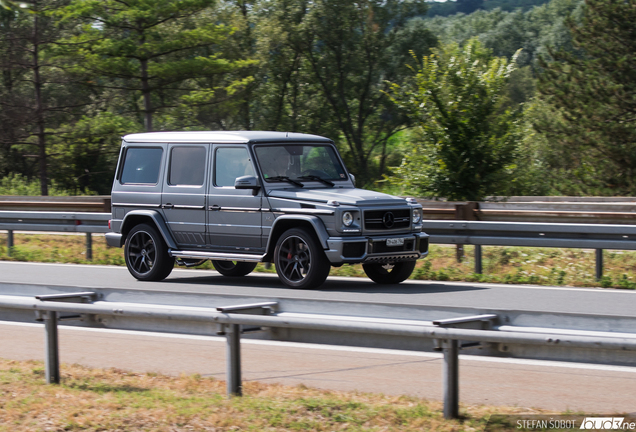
(320, 179)
(287, 179)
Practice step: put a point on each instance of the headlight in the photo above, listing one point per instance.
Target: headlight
(347, 219)
(417, 215)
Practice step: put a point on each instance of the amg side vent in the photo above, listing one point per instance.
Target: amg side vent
(387, 219)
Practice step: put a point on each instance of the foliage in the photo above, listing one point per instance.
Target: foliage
(341, 53)
(16, 184)
(507, 32)
(592, 98)
(469, 141)
(155, 51)
(36, 95)
(451, 7)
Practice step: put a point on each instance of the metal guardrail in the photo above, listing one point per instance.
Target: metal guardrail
(458, 232)
(234, 320)
(95, 203)
(583, 236)
(78, 222)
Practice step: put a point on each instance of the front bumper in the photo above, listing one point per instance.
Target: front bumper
(367, 249)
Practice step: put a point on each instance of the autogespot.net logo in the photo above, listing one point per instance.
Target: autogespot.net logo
(607, 423)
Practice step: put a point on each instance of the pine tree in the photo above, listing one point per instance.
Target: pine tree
(593, 94)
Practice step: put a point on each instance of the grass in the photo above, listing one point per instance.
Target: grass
(512, 265)
(116, 400)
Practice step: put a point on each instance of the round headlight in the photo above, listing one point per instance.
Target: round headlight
(347, 219)
(417, 215)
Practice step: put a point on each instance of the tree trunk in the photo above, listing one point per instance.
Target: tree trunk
(145, 89)
(39, 110)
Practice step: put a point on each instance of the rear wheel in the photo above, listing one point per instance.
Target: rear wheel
(147, 255)
(389, 273)
(300, 260)
(233, 268)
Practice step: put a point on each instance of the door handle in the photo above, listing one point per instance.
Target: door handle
(214, 207)
(167, 206)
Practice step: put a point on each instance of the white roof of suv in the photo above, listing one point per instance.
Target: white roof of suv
(221, 137)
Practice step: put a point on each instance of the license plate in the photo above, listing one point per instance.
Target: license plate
(395, 242)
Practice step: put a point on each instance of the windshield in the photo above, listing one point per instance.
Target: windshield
(299, 162)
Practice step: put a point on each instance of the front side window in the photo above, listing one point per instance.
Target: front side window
(298, 161)
(187, 166)
(230, 163)
(141, 165)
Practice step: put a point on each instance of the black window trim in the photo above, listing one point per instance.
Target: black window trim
(238, 145)
(173, 146)
(123, 164)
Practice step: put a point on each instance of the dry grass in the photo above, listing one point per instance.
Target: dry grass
(539, 266)
(115, 400)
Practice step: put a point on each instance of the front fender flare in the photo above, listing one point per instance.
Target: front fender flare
(158, 220)
(315, 221)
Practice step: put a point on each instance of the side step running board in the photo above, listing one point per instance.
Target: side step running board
(217, 256)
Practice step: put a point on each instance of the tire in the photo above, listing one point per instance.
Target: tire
(300, 260)
(146, 254)
(385, 274)
(233, 268)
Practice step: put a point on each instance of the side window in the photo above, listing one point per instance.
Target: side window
(141, 165)
(187, 166)
(230, 163)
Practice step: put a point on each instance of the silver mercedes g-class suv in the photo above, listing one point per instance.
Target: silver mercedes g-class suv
(240, 198)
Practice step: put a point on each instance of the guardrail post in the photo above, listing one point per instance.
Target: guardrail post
(451, 378)
(478, 265)
(52, 358)
(9, 242)
(233, 356)
(89, 247)
(599, 264)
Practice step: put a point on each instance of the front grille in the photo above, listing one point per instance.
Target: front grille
(387, 219)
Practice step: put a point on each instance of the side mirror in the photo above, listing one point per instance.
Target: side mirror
(353, 179)
(247, 182)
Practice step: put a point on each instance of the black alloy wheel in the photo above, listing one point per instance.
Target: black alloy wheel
(233, 268)
(300, 260)
(147, 255)
(385, 274)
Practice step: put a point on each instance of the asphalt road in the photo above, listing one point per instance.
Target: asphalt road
(609, 302)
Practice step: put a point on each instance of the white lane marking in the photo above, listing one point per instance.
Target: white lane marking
(221, 339)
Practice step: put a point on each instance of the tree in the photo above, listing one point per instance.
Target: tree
(469, 141)
(341, 53)
(592, 94)
(36, 95)
(159, 51)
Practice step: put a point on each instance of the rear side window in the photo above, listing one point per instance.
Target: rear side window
(141, 165)
(187, 166)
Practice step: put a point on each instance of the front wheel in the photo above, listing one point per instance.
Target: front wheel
(147, 255)
(385, 274)
(233, 268)
(300, 260)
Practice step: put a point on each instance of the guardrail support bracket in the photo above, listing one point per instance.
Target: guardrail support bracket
(599, 264)
(232, 334)
(9, 242)
(450, 378)
(52, 357)
(233, 359)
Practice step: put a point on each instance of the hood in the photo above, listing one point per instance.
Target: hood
(355, 197)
